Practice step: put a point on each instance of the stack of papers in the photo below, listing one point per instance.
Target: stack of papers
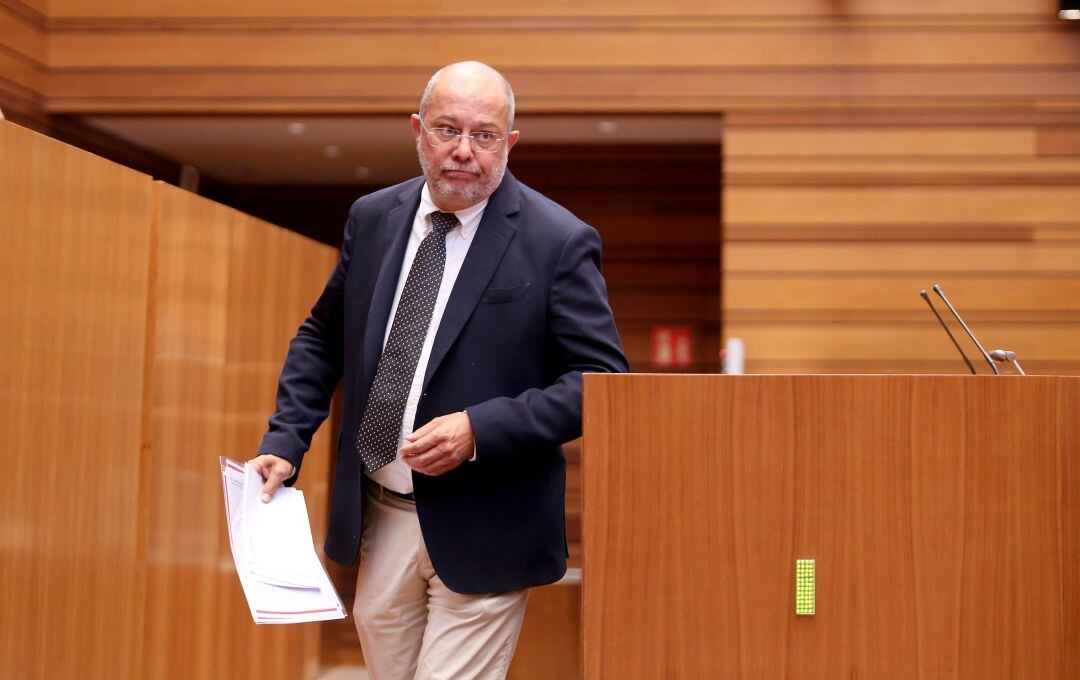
(275, 558)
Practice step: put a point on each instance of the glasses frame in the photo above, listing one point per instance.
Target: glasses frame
(458, 136)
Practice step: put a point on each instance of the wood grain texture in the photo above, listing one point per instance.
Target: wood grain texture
(581, 88)
(21, 78)
(477, 8)
(22, 36)
(23, 45)
(230, 292)
(220, 336)
(901, 203)
(1058, 141)
(188, 410)
(550, 641)
(933, 506)
(645, 56)
(834, 228)
(273, 277)
(695, 45)
(75, 270)
(148, 328)
(944, 259)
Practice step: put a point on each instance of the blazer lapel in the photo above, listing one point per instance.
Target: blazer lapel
(399, 221)
(493, 236)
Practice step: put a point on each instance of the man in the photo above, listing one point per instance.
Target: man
(464, 305)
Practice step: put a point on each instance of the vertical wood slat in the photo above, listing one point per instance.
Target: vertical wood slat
(188, 411)
(231, 291)
(274, 276)
(74, 270)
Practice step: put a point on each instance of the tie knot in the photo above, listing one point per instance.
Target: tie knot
(443, 222)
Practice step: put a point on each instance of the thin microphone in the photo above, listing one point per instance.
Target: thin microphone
(941, 294)
(943, 325)
(1004, 356)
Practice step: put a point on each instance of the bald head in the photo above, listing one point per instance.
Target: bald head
(471, 80)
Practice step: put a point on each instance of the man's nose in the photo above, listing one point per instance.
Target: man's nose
(463, 149)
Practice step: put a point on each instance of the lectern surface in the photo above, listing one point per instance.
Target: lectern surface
(942, 512)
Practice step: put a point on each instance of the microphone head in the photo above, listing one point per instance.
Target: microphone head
(1002, 356)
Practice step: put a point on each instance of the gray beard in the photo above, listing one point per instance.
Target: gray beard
(470, 195)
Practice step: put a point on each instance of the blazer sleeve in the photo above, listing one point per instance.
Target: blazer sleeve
(313, 366)
(584, 339)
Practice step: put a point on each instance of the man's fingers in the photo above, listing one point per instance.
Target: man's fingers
(423, 431)
(437, 460)
(426, 441)
(274, 470)
(278, 474)
(269, 488)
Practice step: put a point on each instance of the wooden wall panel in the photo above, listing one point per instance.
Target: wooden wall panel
(274, 277)
(835, 291)
(838, 142)
(1059, 141)
(21, 77)
(189, 316)
(583, 88)
(74, 268)
(34, 8)
(595, 56)
(899, 203)
(691, 44)
(159, 9)
(22, 34)
(23, 55)
(946, 258)
(836, 227)
(231, 291)
(148, 326)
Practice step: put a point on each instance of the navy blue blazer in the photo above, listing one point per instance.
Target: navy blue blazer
(527, 316)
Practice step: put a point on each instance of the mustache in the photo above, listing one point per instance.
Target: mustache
(450, 166)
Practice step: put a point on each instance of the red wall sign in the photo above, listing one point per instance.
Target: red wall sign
(672, 345)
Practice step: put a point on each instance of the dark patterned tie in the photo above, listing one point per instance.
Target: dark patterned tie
(377, 440)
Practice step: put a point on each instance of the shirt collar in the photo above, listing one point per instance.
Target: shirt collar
(469, 217)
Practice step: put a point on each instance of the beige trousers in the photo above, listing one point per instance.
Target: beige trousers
(411, 626)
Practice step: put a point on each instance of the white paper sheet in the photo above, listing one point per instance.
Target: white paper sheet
(275, 558)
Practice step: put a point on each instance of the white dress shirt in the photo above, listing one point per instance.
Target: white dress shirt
(397, 475)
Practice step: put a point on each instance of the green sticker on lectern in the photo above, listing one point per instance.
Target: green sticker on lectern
(805, 596)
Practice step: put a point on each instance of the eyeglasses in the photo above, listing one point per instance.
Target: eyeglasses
(483, 141)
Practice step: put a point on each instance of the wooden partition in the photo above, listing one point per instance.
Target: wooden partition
(229, 293)
(75, 272)
(942, 512)
(146, 330)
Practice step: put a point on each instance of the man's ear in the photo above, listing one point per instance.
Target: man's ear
(511, 139)
(415, 121)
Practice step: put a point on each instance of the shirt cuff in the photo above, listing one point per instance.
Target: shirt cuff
(473, 459)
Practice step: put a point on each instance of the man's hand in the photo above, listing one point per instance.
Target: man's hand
(274, 470)
(441, 445)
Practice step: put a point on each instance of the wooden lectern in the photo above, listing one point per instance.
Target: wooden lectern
(942, 514)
